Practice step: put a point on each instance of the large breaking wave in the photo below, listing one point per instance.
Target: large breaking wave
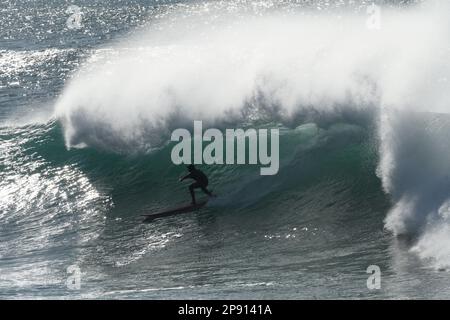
(238, 62)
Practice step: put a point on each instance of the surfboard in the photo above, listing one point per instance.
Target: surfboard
(171, 212)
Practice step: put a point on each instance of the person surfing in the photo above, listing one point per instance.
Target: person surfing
(201, 181)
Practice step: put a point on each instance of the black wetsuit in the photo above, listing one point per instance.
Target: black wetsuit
(201, 181)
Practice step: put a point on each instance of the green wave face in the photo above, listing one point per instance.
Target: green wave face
(340, 155)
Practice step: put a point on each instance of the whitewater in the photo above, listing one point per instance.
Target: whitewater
(86, 117)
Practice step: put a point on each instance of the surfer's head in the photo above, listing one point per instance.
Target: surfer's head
(190, 167)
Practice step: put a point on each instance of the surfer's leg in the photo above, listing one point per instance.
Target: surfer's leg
(191, 190)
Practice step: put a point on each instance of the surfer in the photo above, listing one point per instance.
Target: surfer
(201, 181)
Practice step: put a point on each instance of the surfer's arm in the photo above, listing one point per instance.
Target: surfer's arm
(185, 177)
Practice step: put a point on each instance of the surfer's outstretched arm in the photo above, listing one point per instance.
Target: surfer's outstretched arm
(185, 177)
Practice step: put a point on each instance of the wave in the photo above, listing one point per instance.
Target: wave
(288, 67)
(72, 192)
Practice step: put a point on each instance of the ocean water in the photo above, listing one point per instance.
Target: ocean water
(88, 103)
